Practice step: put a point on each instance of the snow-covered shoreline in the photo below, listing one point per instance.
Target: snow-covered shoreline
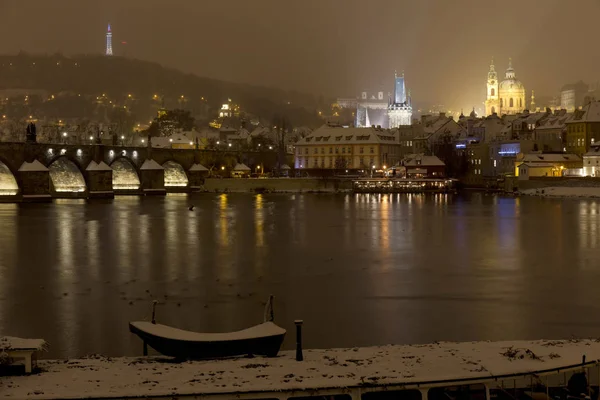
(564, 192)
(150, 377)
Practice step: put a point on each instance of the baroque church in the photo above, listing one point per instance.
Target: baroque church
(506, 97)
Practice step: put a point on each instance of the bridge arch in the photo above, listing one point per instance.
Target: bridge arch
(125, 174)
(8, 180)
(66, 175)
(175, 175)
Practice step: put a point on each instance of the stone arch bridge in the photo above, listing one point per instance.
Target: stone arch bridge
(35, 171)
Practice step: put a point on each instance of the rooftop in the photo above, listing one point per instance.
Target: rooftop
(97, 376)
(327, 134)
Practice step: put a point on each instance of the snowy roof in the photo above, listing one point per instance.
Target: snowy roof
(15, 343)
(151, 165)
(589, 113)
(241, 167)
(34, 166)
(414, 160)
(594, 152)
(160, 142)
(549, 157)
(198, 167)
(180, 138)
(555, 122)
(102, 166)
(384, 366)
(331, 135)
(94, 166)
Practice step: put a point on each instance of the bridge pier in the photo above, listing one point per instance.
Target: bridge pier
(152, 178)
(99, 180)
(34, 181)
(196, 175)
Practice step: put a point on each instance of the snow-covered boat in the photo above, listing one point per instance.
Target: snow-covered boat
(261, 340)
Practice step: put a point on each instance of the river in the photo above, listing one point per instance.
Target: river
(358, 269)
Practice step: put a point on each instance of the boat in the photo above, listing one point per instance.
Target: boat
(260, 340)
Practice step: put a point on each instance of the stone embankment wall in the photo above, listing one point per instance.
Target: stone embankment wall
(543, 182)
(277, 185)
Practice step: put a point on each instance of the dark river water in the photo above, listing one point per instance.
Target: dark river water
(358, 269)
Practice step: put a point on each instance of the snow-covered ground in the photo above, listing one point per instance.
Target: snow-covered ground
(588, 192)
(100, 377)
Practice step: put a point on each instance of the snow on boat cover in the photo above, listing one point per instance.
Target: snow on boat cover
(99, 377)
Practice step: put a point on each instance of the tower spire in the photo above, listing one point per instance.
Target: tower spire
(109, 49)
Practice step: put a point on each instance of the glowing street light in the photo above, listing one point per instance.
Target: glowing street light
(218, 142)
(222, 168)
(91, 138)
(143, 141)
(229, 144)
(270, 147)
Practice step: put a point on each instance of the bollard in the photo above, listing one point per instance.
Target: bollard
(154, 303)
(299, 356)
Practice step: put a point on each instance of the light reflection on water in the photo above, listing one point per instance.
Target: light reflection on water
(411, 268)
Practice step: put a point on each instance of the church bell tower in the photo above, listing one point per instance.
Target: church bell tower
(492, 102)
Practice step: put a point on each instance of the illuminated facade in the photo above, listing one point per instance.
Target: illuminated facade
(506, 97)
(335, 148)
(400, 110)
(109, 49)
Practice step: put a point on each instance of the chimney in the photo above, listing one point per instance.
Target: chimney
(442, 114)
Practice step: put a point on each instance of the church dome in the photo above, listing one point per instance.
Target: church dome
(511, 84)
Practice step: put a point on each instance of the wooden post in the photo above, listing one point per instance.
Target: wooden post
(299, 356)
(154, 303)
(145, 351)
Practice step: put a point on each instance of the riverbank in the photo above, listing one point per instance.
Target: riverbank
(566, 192)
(278, 185)
(328, 371)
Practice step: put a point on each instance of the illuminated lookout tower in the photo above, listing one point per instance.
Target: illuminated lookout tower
(109, 51)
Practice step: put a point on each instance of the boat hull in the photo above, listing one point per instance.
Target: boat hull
(268, 346)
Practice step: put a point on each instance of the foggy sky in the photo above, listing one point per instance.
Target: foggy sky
(331, 47)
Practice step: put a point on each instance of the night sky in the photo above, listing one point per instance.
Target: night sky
(331, 47)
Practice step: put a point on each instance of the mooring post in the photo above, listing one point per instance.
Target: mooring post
(299, 356)
(154, 303)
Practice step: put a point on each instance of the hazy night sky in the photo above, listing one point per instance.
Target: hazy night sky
(334, 47)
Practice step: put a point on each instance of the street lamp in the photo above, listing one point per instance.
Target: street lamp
(229, 144)
(65, 136)
(218, 142)
(270, 147)
(222, 168)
